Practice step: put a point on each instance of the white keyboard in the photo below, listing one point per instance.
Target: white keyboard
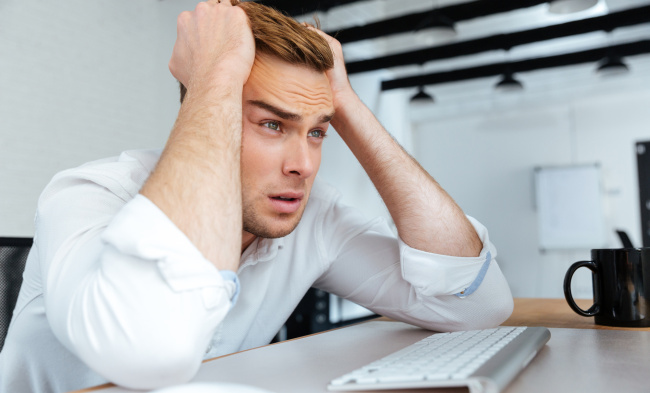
(483, 360)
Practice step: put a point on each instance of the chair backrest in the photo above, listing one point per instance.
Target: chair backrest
(13, 255)
(625, 239)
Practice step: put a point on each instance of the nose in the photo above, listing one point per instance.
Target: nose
(298, 159)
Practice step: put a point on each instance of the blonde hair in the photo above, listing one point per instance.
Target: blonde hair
(282, 37)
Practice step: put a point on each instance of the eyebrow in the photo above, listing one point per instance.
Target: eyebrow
(326, 118)
(287, 115)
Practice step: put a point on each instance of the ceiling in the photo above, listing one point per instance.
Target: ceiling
(520, 34)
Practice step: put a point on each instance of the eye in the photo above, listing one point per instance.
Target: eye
(317, 134)
(274, 125)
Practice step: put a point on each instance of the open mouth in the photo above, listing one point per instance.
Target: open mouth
(280, 198)
(288, 202)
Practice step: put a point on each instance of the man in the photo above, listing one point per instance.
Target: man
(145, 264)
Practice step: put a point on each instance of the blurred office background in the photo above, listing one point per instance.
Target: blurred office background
(82, 80)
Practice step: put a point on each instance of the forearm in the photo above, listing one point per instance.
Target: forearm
(426, 217)
(489, 306)
(197, 180)
(433, 291)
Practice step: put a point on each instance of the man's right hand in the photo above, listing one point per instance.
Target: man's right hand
(213, 40)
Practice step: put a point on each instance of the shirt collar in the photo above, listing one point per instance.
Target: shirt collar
(261, 250)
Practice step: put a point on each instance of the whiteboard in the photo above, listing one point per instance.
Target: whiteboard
(570, 207)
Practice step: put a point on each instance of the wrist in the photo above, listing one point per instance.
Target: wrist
(225, 75)
(346, 106)
(214, 86)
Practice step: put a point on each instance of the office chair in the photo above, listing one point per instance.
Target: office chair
(312, 316)
(625, 239)
(13, 255)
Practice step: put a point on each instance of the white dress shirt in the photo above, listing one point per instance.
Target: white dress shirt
(114, 291)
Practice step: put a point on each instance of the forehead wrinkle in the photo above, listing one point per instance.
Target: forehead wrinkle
(307, 102)
(292, 78)
(321, 87)
(292, 101)
(316, 94)
(292, 89)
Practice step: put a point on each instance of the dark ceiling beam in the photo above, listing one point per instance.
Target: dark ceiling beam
(400, 24)
(588, 56)
(295, 8)
(608, 22)
(405, 23)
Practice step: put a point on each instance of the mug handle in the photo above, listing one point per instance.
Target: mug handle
(593, 310)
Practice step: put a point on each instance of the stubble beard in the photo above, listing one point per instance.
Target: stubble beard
(256, 225)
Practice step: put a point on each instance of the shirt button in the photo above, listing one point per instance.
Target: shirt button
(208, 349)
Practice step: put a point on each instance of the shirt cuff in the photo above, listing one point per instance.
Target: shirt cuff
(478, 280)
(437, 275)
(142, 230)
(230, 276)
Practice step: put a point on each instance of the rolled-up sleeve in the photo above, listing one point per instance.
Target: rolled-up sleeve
(143, 230)
(435, 274)
(368, 265)
(125, 290)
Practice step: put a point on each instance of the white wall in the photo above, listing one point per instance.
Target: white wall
(79, 80)
(483, 151)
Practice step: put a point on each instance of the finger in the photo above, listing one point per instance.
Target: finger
(327, 37)
(183, 18)
(212, 3)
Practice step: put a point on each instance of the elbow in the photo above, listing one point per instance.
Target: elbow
(505, 311)
(489, 313)
(129, 325)
(484, 316)
(478, 310)
(143, 347)
(491, 304)
(497, 312)
(148, 365)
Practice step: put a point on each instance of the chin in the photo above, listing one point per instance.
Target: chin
(272, 228)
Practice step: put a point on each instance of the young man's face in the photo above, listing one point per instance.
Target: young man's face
(286, 112)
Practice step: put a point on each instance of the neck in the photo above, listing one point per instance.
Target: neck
(246, 240)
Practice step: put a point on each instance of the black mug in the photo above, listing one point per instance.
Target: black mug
(621, 287)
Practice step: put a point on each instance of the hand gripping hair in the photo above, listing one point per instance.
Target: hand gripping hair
(282, 37)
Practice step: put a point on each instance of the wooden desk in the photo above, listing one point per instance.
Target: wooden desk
(555, 313)
(571, 361)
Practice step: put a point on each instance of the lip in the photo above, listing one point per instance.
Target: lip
(286, 206)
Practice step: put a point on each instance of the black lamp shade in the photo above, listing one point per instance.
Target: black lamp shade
(422, 96)
(612, 65)
(508, 83)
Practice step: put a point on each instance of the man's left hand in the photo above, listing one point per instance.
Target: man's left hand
(338, 76)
